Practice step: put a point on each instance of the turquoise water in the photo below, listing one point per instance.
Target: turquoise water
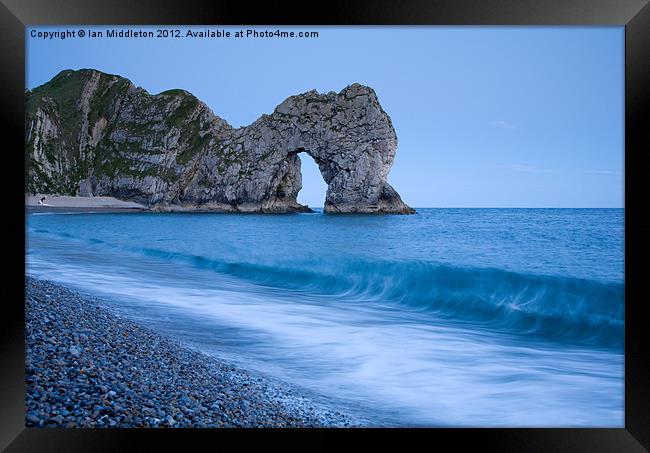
(450, 317)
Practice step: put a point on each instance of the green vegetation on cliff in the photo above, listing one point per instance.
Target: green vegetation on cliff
(95, 124)
(91, 133)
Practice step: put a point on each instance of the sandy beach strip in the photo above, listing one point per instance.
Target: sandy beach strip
(61, 203)
(86, 366)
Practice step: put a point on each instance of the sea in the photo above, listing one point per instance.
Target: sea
(445, 318)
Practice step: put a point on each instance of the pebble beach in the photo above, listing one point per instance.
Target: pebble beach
(87, 366)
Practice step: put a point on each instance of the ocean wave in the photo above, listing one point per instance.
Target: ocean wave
(563, 308)
(548, 306)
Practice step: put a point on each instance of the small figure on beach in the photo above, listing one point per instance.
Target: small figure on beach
(41, 201)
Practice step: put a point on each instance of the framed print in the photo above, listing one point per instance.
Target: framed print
(382, 220)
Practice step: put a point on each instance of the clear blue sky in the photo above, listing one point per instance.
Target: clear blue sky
(485, 116)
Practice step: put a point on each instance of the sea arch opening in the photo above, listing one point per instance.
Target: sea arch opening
(314, 187)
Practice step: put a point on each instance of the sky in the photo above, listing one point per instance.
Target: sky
(485, 116)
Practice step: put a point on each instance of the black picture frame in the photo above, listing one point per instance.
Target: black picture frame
(15, 15)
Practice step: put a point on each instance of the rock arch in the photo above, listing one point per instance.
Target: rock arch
(350, 138)
(172, 153)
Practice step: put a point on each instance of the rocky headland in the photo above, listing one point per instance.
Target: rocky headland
(93, 134)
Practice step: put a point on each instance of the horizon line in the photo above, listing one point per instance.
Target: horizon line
(503, 207)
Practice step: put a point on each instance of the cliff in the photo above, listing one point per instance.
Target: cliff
(94, 134)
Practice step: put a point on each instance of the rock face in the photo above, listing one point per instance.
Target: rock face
(95, 134)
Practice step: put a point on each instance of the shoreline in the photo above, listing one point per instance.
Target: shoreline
(77, 210)
(87, 366)
(66, 204)
(46, 203)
